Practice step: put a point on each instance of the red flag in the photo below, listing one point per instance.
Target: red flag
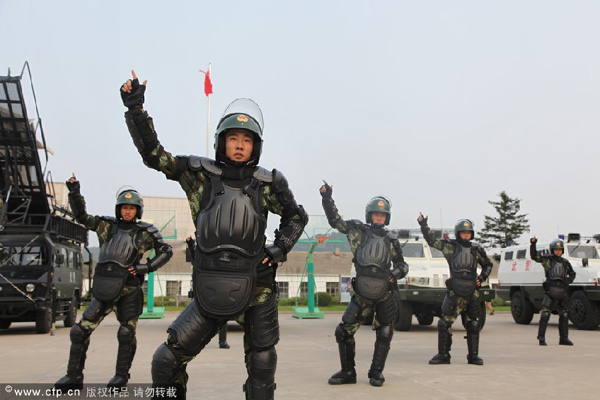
(207, 83)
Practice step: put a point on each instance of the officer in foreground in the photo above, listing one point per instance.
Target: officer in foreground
(233, 267)
(118, 279)
(379, 263)
(462, 255)
(559, 275)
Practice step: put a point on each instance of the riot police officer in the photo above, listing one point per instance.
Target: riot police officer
(118, 278)
(559, 275)
(379, 263)
(462, 255)
(233, 267)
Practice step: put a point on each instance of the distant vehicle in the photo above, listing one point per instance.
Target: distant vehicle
(41, 246)
(520, 281)
(422, 292)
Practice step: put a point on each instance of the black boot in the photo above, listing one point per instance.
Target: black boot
(77, 354)
(382, 348)
(473, 343)
(444, 342)
(223, 337)
(127, 347)
(563, 330)
(348, 373)
(541, 337)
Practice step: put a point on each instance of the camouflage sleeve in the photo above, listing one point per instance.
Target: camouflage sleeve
(486, 264)
(534, 254)
(334, 218)
(279, 199)
(77, 202)
(570, 272)
(400, 269)
(432, 241)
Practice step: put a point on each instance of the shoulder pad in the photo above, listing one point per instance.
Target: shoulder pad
(279, 181)
(358, 224)
(264, 175)
(148, 227)
(475, 244)
(107, 218)
(199, 163)
(392, 235)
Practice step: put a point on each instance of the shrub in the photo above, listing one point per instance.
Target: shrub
(324, 299)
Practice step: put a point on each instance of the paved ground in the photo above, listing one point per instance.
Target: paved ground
(515, 366)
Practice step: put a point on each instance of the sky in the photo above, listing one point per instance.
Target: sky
(438, 105)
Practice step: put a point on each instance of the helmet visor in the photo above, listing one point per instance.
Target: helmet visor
(245, 106)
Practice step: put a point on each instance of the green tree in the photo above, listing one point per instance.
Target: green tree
(507, 227)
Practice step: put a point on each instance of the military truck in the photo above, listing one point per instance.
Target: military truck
(41, 245)
(422, 292)
(520, 280)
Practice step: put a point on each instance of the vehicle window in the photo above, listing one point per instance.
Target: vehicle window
(577, 251)
(61, 251)
(76, 261)
(70, 262)
(508, 255)
(521, 254)
(31, 255)
(414, 250)
(435, 253)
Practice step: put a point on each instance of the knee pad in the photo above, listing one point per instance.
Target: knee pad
(444, 325)
(341, 336)
(262, 364)
(352, 312)
(472, 326)
(545, 316)
(92, 312)
(126, 334)
(78, 335)
(385, 334)
(165, 364)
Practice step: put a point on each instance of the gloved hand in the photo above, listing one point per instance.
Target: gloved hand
(326, 190)
(73, 184)
(132, 93)
(533, 240)
(422, 220)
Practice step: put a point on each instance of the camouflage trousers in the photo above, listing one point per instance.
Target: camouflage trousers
(352, 320)
(453, 305)
(97, 310)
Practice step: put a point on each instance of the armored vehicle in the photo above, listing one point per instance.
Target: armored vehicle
(520, 280)
(41, 246)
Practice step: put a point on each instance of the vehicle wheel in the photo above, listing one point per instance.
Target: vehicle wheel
(369, 319)
(425, 319)
(482, 317)
(43, 320)
(520, 308)
(71, 316)
(582, 312)
(5, 324)
(404, 319)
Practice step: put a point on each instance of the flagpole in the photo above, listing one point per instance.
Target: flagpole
(208, 119)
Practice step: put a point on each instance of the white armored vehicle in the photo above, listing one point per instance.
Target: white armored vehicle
(423, 290)
(520, 280)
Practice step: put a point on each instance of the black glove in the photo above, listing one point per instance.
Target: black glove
(423, 222)
(73, 186)
(328, 191)
(135, 99)
(142, 269)
(533, 240)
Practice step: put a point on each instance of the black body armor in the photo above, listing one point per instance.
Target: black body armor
(372, 261)
(463, 271)
(557, 279)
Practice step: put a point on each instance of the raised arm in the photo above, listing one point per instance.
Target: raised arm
(331, 211)
(77, 202)
(533, 250)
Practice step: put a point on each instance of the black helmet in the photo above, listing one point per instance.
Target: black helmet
(379, 204)
(129, 196)
(557, 244)
(240, 114)
(463, 225)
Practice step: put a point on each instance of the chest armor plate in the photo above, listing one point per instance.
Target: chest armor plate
(464, 263)
(374, 252)
(232, 221)
(557, 271)
(120, 249)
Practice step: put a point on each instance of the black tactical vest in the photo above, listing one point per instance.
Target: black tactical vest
(120, 249)
(463, 271)
(557, 271)
(372, 261)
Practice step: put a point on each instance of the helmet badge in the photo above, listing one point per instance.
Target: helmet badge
(380, 203)
(128, 195)
(242, 118)
(465, 224)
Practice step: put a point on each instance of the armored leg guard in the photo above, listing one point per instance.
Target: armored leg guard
(382, 348)
(473, 343)
(223, 337)
(77, 355)
(346, 347)
(261, 366)
(127, 347)
(563, 329)
(168, 370)
(444, 343)
(544, 318)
